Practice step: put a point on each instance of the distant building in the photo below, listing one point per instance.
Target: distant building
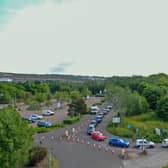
(6, 80)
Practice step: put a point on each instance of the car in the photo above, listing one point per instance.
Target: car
(29, 119)
(36, 117)
(105, 111)
(47, 112)
(101, 114)
(90, 129)
(43, 123)
(98, 136)
(165, 143)
(143, 142)
(99, 118)
(118, 142)
(109, 107)
(93, 122)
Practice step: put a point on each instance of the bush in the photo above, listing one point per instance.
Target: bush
(36, 154)
(146, 124)
(71, 120)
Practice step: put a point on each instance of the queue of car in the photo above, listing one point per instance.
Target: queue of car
(91, 130)
(115, 141)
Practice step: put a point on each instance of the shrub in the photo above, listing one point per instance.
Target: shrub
(36, 154)
(71, 120)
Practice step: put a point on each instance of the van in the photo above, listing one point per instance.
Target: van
(94, 110)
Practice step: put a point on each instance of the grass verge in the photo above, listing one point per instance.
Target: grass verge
(140, 126)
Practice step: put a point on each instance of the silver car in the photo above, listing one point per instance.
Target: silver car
(165, 143)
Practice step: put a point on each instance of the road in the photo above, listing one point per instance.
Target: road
(80, 151)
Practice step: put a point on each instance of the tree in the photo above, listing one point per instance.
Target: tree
(77, 106)
(15, 139)
(162, 108)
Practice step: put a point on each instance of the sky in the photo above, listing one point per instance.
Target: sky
(84, 37)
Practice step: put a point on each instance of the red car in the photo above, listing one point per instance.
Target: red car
(98, 136)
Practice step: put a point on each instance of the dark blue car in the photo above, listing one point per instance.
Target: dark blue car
(29, 119)
(99, 119)
(44, 124)
(118, 142)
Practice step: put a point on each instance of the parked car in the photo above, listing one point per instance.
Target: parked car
(99, 118)
(44, 124)
(47, 112)
(36, 117)
(93, 122)
(165, 143)
(29, 119)
(118, 142)
(98, 136)
(143, 142)
(90, 129)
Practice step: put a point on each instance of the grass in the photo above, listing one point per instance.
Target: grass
(165, 166)
(43, 129)
(141, 126)
(71, 120)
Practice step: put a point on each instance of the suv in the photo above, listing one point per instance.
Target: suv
(44, 124)
(143, 142)
(165, 143)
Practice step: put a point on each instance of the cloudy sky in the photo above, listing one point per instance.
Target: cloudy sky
(84, 37)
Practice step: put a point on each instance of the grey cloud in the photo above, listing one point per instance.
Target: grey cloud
(61, 68)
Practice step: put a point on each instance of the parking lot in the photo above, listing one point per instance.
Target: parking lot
(60, 113)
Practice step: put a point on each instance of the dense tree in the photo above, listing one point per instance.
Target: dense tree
(15, 139)
(77, 106)
(162, 108)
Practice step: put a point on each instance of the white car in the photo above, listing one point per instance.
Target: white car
(47, 112)
(143, 142)
(165, 143)
(36, 117)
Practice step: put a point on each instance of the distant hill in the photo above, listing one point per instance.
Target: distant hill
(21, 77)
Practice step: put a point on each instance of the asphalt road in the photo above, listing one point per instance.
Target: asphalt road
(80, 151)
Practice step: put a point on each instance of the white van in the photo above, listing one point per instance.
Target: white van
(94, 110)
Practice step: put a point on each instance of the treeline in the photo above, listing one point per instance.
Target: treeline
(134, 95)
(139, 94)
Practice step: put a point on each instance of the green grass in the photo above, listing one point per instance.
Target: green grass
(145, 123)
(43, 129)
(165, 166)
(71, 120)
